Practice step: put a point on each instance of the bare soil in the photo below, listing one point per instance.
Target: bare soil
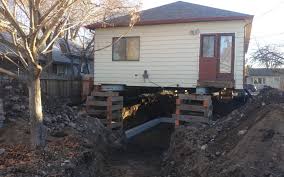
(248, 142)
(142, 156)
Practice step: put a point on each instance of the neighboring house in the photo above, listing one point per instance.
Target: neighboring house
(261, 77)
(67, 59)
(175, 45)
(65, 62)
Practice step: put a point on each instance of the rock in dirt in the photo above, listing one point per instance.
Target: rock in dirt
(243, 146)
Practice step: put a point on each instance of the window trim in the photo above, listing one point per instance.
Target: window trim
(215, 45)
(257, 79)
(232, 52)
(113, 42)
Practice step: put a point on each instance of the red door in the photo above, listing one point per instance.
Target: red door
(208, 58)
(216, 57)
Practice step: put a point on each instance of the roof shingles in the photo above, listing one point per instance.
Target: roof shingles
(265, 71)
(177, 12)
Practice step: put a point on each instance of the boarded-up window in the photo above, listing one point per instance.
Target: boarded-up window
(126, 49)
(208, 46)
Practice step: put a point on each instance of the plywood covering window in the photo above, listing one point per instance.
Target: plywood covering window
(126, 49)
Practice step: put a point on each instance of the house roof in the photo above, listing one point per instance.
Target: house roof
(265, 71)
(177, 12)
(58, 55)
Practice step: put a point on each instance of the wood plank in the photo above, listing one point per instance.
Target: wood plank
(96, 112)
(194, 97)
(116, 107)
(109, 111)
(196, 108)
(96, 103)
(105, 94)
(117, 98)
(178, 102)
(188, 118)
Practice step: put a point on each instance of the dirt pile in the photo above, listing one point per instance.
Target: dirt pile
(57, 114)
(248, 142)
(72, 154)
(76, 143)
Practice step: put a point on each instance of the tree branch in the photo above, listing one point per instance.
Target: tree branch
(9, 73)
(6, 13)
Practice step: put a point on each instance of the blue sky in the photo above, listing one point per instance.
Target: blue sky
(268, 25)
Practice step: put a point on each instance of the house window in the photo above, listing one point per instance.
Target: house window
(61, 70)
(126, 49)
(208, 46)
(226, 47)
(259, 80)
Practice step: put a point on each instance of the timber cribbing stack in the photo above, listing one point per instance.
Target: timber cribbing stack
(107, 106)
(2, 114)
(193, 108)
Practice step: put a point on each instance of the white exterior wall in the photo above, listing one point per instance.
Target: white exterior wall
(170, 54)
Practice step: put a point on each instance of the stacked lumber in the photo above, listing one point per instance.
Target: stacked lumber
(106, 106)
(193, 108)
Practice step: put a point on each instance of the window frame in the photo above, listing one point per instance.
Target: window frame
(114, 40)
(215, 45)
(62, 66)
(219, 36)
(259, 80)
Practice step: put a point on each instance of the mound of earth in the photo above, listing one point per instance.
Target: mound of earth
(76, 143)
(248, 142)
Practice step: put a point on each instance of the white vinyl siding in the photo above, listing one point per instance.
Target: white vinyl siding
(170, 54)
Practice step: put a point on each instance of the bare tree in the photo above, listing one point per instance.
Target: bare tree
(29, 29)
(269, 56)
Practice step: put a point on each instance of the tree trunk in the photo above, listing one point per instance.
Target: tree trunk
(36, 116)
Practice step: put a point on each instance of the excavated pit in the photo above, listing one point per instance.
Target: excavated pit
(142, 155)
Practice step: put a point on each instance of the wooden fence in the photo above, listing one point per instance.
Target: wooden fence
(61, 87)
(56, 86)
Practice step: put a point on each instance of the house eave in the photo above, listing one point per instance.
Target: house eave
(168, 21)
